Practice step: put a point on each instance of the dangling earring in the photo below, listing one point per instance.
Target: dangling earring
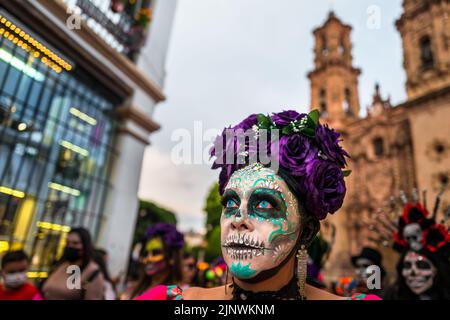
(302, 259)
(226, 280)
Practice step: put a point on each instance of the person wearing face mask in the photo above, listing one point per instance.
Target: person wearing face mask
(160, 258)
(77, 262)
(280, 175)
(15, 285)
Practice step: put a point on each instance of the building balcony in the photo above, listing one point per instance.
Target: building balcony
(122, 24)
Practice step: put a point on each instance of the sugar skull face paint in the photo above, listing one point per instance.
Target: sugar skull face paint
(259, 223)
(419, 272)
(362, 265)
(154, 260)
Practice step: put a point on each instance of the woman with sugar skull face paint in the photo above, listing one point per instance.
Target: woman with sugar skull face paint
(160, 257)
(423, 270)
(421, 275)
(280, 175)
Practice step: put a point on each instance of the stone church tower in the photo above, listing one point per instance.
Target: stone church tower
(334, 80)
(392, 148)
(425, 30)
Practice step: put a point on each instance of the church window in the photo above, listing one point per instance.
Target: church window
(426, 53)
(378, 146)
(323, 102)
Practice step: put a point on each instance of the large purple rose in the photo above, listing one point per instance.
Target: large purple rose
(294, 151)
(247, 123)
(171, 237)
(328, 141)
(225, 149)
(286, 117)
(324, 187)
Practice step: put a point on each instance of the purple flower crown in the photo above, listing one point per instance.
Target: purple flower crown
(171, 237)
(306, 150)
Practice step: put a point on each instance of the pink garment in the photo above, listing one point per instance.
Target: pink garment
(372, 297)
(163, 292)
(156, 293)
(363, 296)
(38, 296)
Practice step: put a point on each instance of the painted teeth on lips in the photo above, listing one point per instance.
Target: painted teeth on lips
(244, 241)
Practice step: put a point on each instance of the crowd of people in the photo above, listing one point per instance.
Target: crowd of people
(272, 246)
(422, 272)
(163, 259)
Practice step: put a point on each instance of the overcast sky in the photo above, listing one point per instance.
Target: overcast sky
(230, 58)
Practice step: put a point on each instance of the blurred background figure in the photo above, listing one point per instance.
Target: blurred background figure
(421, 275)
(78, 252)
(422, 239)
(15, 285)
(189, 271)
(318, 253)
(215, 275)
(101, 258)
(366, 258)
(160, 259)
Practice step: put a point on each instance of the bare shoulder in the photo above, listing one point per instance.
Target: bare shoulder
(313, 293)
(195, 293)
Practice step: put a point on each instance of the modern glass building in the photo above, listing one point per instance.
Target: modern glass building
(56, 139)
(76, 110)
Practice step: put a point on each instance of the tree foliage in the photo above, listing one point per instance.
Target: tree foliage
(150, 213)
(213, 211)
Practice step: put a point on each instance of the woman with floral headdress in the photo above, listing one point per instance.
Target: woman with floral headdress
(423, 270)
(160, 257)
(280, 175)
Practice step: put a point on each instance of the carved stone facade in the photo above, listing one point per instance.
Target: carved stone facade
(393, 148)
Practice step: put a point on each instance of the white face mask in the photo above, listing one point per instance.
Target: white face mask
(15, 280)
(418, 272)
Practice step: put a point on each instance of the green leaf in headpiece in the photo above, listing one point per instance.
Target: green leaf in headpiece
(314, 115)
(264, 122)
(286, 130)
(309, 132)
(346, 173)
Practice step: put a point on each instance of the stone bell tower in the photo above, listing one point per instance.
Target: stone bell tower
(334, 80)
(425, 30)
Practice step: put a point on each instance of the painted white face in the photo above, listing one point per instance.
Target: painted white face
(260, 221)
(419, 272)
(413, 235)
(362, 265)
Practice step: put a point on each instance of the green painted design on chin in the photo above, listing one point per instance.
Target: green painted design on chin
(242, 271)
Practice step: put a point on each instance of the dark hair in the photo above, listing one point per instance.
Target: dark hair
(310, 223)
(441, 284)
(187, 255)
(196, 278)
(99, 258)
(14, 256)
(88, 249)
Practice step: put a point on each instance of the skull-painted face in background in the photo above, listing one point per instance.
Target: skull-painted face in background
(154, 259)
(259, 223)
(419, 272)
(362, 265)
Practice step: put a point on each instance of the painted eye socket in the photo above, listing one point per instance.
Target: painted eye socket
(264, 205)
(231, 204)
